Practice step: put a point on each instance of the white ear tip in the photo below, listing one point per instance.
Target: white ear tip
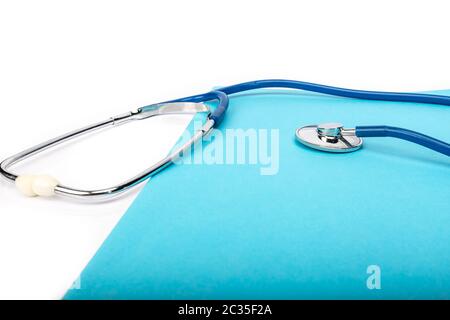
(33, 185)
(44, 185)
(23, 183)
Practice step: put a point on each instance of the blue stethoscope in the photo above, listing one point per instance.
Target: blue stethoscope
(330, 137)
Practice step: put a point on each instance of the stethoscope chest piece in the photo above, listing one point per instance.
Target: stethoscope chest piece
(329, 137)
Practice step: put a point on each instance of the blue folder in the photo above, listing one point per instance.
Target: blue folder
(365, 225)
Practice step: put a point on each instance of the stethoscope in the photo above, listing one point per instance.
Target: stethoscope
(330, 137)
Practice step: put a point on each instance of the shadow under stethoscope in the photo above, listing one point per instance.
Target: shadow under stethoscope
(385, 150)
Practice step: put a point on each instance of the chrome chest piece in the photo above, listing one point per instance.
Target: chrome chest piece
(329, 137)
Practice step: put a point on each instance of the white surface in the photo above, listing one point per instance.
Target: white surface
(64, 65)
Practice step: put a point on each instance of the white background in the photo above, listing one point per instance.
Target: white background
(65, 64)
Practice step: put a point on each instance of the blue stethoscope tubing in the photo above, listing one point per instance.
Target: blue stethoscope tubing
(361, 131)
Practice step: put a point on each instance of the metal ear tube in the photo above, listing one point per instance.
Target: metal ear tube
(43, 185)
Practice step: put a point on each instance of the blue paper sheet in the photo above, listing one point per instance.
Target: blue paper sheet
(370, 224)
